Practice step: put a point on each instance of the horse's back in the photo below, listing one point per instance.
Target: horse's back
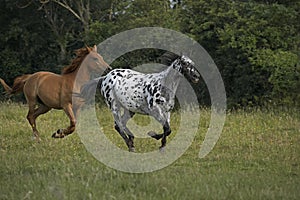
(38, 79)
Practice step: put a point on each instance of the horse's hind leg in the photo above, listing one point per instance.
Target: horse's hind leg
(120, 126)
(31, 120)
(32, 115)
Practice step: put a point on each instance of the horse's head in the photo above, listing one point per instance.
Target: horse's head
(95, 61)
(188, 69)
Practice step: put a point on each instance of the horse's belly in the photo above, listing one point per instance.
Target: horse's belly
(49, 90)
(132, 99)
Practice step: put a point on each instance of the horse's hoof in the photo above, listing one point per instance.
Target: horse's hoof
(37, 139)
(55, 135)
(155, 135)
(152, 134)
(131, 149)
(58, 134)
(162, 149)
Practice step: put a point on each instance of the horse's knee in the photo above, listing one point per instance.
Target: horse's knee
(70, 129)
(73, 123)
(72, 126)
(167, 132)
(30, 118)
(167, 129)
(117, 128)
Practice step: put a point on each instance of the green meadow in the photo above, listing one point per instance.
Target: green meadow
(256, 157)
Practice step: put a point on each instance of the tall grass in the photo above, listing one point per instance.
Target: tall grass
(256, 157)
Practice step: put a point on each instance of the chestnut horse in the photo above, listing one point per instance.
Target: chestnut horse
(46, 90)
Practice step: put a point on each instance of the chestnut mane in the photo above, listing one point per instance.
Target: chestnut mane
(76, 62)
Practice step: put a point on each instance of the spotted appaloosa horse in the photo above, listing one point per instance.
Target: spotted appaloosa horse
(149, 94)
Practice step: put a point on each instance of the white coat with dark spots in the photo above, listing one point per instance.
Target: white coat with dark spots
(149, 94)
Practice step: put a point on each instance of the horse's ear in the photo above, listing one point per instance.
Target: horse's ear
(95, 48)
(87, 48)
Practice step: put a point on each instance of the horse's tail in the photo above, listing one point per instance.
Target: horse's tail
(18, 85)
(5, 86)
(90, 87)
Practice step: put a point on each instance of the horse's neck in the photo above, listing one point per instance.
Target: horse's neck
(171, 78)
(78, 77)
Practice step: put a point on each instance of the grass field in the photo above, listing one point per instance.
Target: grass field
(256, 157)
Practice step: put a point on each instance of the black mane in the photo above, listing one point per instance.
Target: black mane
(168, 58)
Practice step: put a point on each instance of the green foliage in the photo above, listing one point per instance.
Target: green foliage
(254, 43)
(238, 35)
(99, 31)
(284, 71)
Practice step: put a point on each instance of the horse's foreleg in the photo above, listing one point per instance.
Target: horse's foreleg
(163, 136)
(165, 121)
(69, 111)
(128, 115)
(167, 132)
(127, 139)
(60, 133)
(76, 106)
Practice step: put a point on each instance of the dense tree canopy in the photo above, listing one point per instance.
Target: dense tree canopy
(255, 43)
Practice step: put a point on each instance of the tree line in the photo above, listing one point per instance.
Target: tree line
(254, 43)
